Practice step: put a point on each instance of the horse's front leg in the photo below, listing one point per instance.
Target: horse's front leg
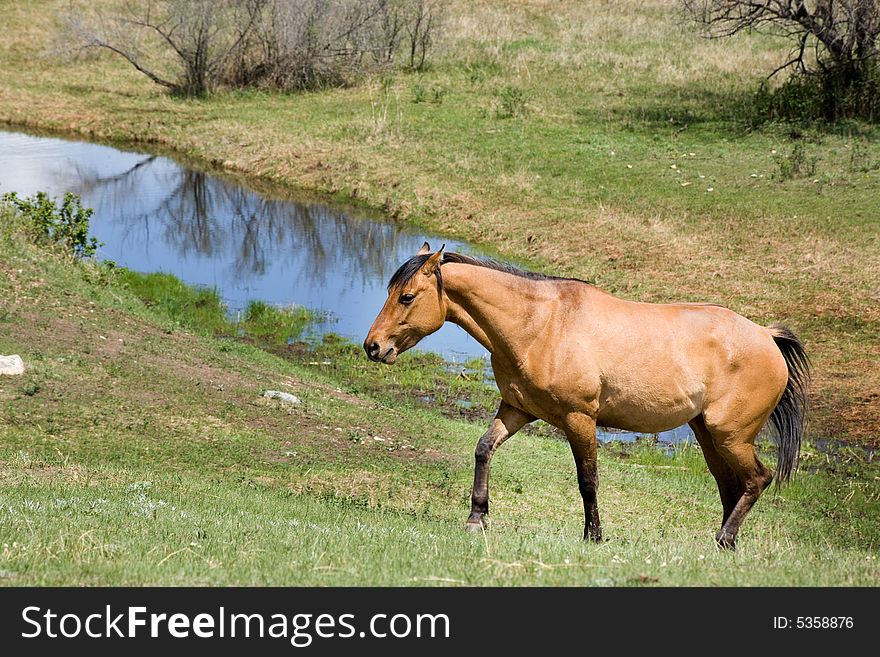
(508, 420)
(581, 434)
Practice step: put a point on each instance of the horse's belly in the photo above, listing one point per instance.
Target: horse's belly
(650, 412)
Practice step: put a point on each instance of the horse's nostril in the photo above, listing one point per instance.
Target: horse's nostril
(372, 349)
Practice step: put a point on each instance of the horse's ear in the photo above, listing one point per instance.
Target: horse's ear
(425, 250)
(433, 263)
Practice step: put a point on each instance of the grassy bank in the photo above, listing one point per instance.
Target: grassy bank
(599, 140)
(202, 310)
(137, 451)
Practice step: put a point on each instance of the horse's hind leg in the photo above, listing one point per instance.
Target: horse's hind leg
(508, 420)
(729, 486)
(736, 445)
(740, 454)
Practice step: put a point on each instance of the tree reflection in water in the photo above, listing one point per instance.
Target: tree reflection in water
(202, 214)
(154, 214)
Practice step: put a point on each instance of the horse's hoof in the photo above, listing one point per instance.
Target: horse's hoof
(725, 542)
(475, 526)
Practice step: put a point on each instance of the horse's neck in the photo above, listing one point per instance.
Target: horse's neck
(503, 312)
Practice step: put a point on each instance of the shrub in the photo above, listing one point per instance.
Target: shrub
(65, 225)
(796, 164)
(511, 103)
(810, 96)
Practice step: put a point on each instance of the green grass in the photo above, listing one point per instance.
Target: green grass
(137, 451)
(271, 325)
(66, 524)
(203, 310)
(421, 380)
(137, 448)
(195, 308)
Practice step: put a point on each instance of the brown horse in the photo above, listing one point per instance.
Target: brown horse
(576, 357)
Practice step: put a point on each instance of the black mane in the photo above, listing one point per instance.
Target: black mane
(411, 267)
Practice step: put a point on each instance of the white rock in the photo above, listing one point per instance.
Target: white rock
(284, 397)
(11, 365)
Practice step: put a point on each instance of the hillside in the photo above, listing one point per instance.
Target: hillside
(136, 451)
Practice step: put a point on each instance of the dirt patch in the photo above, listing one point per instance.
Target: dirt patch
(860, 415)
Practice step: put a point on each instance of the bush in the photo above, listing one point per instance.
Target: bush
(511, 103)
(824, 95)
(66, 226)
(834, 56)
(796, 164)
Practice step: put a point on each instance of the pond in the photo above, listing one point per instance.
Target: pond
(154, 214)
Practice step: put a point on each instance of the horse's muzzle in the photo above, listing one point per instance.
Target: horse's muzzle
(372, 349)
(376, 353)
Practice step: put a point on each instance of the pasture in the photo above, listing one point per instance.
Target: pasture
(137, 451)
(137, 448)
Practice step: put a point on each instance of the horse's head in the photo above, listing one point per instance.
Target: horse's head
(415, 307)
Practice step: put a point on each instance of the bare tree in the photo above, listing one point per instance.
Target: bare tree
(834, 40)
(408, 23)
(179, 44)
(192, 46)
(309, 43)
(420, 31)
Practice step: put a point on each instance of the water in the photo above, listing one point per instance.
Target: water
(154, 214)
(673, 436)
(665, 440)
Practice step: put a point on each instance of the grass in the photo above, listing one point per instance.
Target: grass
(129, 526)
(137, 451)
(137, 448)
(195, 308)
(271, 325)
(425, 380)
(203, 310)
(422, 379)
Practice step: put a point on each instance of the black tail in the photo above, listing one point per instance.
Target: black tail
(791, 412)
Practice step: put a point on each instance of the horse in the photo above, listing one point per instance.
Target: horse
(577, 357)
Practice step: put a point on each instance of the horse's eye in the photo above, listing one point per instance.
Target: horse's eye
(407, 298)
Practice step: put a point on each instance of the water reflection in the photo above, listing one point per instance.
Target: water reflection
(155, 215)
